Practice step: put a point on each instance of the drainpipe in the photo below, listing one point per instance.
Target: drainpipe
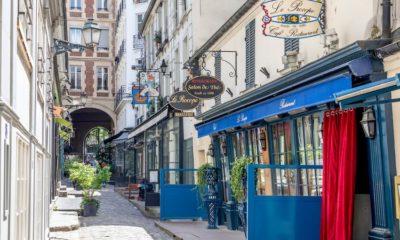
(386, 19)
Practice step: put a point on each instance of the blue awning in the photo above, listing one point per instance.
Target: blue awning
(348, 98)
(311, 95)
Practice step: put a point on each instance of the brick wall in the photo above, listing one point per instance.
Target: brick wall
(89, 78)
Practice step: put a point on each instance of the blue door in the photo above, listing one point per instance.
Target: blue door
(288, 205)
(179, 197)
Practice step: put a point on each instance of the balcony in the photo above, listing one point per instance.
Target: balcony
(138, 42)
(122, 93)
(120, 54)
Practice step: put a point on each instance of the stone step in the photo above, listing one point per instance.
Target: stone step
(63, 221)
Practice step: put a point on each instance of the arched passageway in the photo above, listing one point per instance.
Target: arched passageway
(87, 122)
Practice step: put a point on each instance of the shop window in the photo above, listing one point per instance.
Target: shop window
(296, 152)
(238, 140)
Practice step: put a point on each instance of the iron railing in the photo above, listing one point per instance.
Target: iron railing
(122, 93)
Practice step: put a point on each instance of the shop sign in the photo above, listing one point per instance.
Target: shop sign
(292, 18)
(183, 101)
(137, 97)
(204, 87)
(183, 114)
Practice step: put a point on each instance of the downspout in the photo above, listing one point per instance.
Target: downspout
(386, 19)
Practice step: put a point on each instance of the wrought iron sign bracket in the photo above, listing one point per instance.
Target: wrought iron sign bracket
(232, 73)
(61, 46)
(199, 65)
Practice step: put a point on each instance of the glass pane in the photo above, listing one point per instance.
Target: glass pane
(300, 141)
(264, 182)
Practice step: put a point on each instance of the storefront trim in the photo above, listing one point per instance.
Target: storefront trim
(291, 101)
(150, 122)
(348, 98)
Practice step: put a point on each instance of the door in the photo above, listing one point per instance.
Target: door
(6, 181)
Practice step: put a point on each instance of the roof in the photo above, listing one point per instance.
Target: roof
(147, 15)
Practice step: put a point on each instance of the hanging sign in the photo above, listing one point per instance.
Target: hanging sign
(204, 87)
(183, 114)
(137, 98)
(292, 18)
(183, 101)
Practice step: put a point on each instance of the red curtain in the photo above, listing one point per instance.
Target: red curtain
(339, 160)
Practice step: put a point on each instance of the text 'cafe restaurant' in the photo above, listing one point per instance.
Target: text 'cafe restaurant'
(311, 133)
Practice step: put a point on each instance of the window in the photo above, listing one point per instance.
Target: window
(250, 55)
(102, 78)
(75, 4)
(139, 20)
(104, 39)
(75, 35)
(75, 77)
(102, 5)
(22, 191)
(296, 142)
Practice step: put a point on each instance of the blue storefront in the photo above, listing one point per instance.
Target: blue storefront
(280, 126)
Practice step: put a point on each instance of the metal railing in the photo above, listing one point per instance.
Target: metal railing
(122, 93)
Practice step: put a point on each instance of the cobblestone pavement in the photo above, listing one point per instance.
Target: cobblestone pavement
(117, 219)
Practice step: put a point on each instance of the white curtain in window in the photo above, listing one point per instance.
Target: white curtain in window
(75, 77)
(75, 35)
(102, 78)
(103, 42)
(76, 4)
(101, 4)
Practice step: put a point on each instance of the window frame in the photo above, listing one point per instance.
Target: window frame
(103, 5)
(77, 29)
(104, 84)
(104, 49)
(74, 83)
(75, 6)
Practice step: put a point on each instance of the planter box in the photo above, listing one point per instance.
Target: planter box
(89, 210)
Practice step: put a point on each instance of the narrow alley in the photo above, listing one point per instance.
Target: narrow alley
(116, 219)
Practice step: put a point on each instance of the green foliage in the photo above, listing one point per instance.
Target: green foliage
(201, 177)
(238, 176)
(89, 201)
(69, 164)
(89, 178)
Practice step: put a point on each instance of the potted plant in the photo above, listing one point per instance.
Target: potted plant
(157, 38)
(207, 179)
(238, 186)
(90, 179)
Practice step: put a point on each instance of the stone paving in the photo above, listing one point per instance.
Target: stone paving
(117, 219)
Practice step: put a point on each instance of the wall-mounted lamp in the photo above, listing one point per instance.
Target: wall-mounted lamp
(368, 122)
(164, 67)
(210, 151)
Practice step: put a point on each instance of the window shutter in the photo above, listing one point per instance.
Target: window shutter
(250, 55)
(105, 76)
(291, 45)
(217, 66)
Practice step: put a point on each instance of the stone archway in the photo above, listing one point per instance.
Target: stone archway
(84, 120)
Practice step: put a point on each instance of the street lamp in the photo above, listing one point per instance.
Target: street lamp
(91, 37)
(83, 98)
(91, 33)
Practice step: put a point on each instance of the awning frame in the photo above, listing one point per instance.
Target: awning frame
(351, 98)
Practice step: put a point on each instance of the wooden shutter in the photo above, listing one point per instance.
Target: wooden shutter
(250, 54)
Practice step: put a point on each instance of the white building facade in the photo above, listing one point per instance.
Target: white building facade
(129, 17)
(29, 77)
